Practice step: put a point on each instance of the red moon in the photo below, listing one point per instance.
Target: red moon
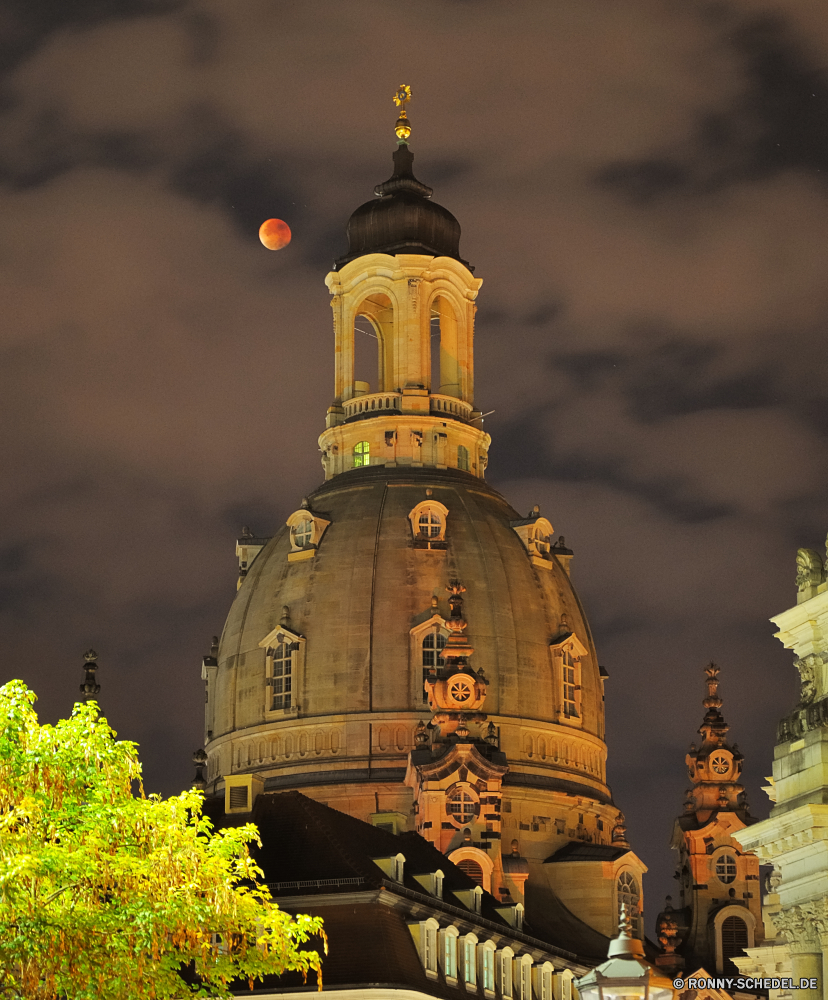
(274, 234)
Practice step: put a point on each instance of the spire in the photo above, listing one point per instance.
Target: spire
(90, 687)
(713, 728)
(714, 768)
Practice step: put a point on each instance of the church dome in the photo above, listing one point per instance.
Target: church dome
(408, 648)
(366, 605)
(402, 219)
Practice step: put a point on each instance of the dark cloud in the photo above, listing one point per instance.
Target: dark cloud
(641, 188)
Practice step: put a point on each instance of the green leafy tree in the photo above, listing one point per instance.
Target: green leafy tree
(108, 893)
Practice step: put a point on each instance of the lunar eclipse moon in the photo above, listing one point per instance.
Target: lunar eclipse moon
(274, 234)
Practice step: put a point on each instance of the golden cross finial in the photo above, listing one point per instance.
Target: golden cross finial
(401, 98)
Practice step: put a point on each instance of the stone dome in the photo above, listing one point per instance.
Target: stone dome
(359, 607)
(402, 219)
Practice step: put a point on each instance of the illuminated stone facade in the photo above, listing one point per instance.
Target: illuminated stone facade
(335, 670)
(720, 911)
(795, 836)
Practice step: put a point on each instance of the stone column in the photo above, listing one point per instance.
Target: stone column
(801, 925)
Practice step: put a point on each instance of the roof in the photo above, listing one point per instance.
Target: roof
(312, 852)
(575, 851)
(402, 219)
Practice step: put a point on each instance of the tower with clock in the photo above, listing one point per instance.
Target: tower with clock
(720, 912)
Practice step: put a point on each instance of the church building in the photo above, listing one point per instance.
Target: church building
(406, 696)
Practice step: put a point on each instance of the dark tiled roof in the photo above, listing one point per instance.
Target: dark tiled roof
(575, 851)
(311, 851)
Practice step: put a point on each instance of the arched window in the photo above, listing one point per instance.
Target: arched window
(734, 939)
(472, 869)
(281, 676)
(726, 868)
(463, 458)
(628, 892)
(434, 643)
(362, 454)
(461, 806)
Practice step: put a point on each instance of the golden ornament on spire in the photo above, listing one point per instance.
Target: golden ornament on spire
(401, 98)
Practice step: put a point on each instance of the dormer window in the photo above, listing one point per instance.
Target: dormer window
(568, 650)
(306, 531)
(284, 656)
(428, 524)
(536, 534)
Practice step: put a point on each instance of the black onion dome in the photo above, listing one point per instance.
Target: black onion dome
(402, 219)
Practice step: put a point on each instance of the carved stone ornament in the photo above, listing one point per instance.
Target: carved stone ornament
(809, 569)
(803, 924)
(808, 667)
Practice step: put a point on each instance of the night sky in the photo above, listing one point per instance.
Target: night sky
(642, 186)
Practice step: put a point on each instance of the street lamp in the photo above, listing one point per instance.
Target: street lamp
(626, 974)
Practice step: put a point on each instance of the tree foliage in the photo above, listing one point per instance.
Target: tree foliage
(108, 893)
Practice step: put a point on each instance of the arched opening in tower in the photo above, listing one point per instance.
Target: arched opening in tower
(372, 344)
(444, 347)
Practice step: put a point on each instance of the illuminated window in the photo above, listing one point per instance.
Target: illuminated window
(720, 763)
(362, 454)
(433, 645)
(488, 969)
(449, 954)
(302, 533)
(726, 869)
(281, 676)
(430, 524)
(469, 961)
(463, 458)
(461, 806)
(628, 893)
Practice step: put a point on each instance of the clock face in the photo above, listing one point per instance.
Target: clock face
(461, 689)
(720, 763)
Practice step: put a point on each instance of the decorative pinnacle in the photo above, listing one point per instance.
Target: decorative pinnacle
(90, 686)
(402, 127)
(625, 921)
(712, 700)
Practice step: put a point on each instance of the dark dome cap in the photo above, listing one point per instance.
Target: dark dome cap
(402, 219)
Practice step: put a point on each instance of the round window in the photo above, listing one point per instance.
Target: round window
(720, 763)
(461, 689)
(461, 805)
(726, 869)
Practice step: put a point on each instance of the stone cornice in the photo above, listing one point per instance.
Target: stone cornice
(787, 832)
